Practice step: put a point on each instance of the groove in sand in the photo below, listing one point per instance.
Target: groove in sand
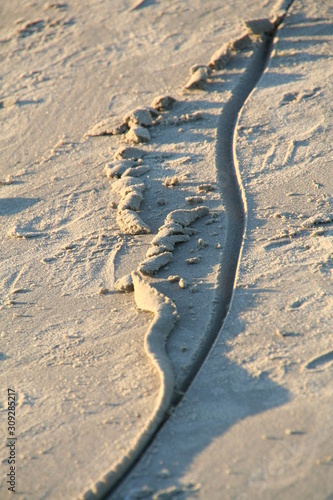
(235, 201)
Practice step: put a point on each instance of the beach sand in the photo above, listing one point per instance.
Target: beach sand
(208, 221)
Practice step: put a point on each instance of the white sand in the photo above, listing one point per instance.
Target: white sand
(72, 346)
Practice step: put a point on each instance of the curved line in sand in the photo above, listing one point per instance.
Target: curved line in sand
(148, 299)
(233, 195)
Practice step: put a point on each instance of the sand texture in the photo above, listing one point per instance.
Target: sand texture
(166, 171)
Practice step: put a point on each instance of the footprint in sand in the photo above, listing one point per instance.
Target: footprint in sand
(320, 363)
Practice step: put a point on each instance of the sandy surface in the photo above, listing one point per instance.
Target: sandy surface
(72, 346)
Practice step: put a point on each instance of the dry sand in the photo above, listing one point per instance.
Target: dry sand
(92, 376)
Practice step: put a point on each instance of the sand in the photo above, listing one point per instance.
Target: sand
(91, 389)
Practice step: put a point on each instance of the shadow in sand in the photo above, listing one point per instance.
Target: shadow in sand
(27, 102)
(10, 206)
(214, 405)
(140, 4)
(309, 27)
(279, 79)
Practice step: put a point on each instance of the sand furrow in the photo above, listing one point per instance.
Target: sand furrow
(147, 297)
(235, 200)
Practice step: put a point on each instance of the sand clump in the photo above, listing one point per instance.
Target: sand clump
(130, 222)
(136, 171)
(194, 200)
(139, 116)
(136, 123)
(130, 189)
(199, 78)
(153, 264)
(138, 134)
(255, 29)
(129, 153)
(163, 103)
(108, 126)
(171, 181)
(125, 284)
(117, 168)
(175, 230)
(220, 58)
